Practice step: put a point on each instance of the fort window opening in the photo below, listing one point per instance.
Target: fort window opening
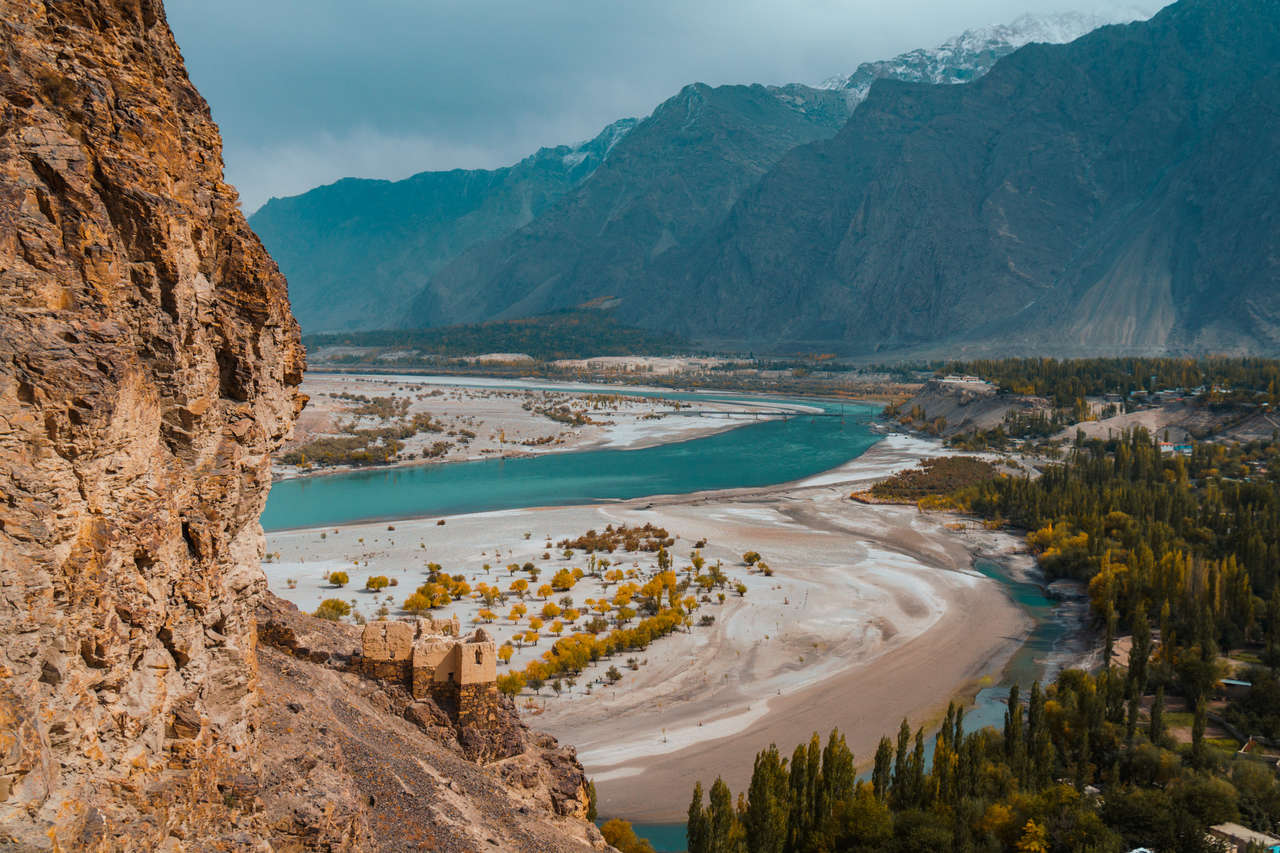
(479, 656)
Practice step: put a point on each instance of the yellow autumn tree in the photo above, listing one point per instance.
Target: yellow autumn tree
(1035, 839)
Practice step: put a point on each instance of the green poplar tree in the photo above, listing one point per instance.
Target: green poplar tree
(882, 775)
(1035, 715)
(917, 770)
(1083, 774)
(1167, 640)
(1131, 718)
(768, 804)
(1110, 614)
(1197, 733)
(943, 757)
(797, 823)
(1156, 729)
(1272, 654)
(1013, 746)
(838, 778)
(698, 829)
(899, 790)
(814, 786)
(722, 820)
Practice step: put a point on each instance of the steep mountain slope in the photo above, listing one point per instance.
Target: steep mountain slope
(357, 251)
(153, 694)
(1111, 195)
(674, 176)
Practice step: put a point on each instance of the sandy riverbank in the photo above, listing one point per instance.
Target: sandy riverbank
(488, 420)
(873, 613)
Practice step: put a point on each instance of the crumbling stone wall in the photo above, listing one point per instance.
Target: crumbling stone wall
(386, 650)
(450, 627)
(430, 657)
(479, 705)
(431, 661)
(478, 661)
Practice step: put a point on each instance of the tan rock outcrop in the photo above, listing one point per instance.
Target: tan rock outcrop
(148, 368)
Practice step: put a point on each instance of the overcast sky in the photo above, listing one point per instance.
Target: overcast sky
(309, 91)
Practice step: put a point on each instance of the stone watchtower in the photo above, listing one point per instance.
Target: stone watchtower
(431, 660)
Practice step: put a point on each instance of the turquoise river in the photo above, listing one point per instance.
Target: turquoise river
(759, 454)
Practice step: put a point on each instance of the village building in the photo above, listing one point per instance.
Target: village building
(1234, 688)
(1257, 749)
(1234, 838)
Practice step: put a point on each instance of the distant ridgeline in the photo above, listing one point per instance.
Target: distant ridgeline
(562, 334)
(643, 210)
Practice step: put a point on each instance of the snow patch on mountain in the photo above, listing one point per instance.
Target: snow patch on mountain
(601, 144)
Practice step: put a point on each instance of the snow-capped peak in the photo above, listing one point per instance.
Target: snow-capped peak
(972, 53)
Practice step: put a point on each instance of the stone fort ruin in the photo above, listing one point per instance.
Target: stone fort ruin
(431, 659)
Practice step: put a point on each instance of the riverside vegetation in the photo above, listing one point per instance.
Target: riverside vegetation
(1041, 398)
(1067, 381)
(1180, 554)
(634, 607)
(376, 446)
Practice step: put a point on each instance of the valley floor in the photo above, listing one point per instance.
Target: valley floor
(873, 613)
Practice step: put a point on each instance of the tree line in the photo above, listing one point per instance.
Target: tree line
(1066, 381)
(1066, 773)
(1182, 555)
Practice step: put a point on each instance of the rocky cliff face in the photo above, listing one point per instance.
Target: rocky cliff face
(148, 368)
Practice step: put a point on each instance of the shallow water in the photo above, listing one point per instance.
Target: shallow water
(665, 837)
(758, 454)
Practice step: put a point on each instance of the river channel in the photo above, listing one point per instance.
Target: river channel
(759, 453)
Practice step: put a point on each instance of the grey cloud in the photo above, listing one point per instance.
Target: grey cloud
(308, 91)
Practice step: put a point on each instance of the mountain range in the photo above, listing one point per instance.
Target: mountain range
(584, 220)
(1112, 195)
(972, 53)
